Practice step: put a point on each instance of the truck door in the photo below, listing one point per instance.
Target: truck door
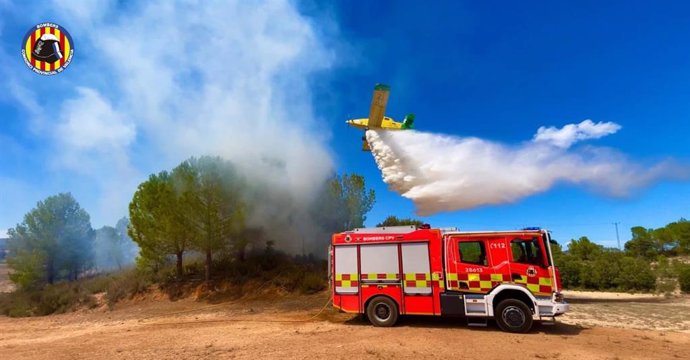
(529, 265)
(346, 278)
(417, 279)
(380, 272)
(468, 268)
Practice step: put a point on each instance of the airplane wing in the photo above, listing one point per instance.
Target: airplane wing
(378, 105)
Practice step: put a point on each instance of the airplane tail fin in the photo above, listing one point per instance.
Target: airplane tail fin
(408, 123)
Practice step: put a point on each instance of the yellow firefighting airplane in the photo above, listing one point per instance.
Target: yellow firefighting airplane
(376, 119)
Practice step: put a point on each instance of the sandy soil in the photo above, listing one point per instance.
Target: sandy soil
(285, 328)
(630, 311)
(5, 284)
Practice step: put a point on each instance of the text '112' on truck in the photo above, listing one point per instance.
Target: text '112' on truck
(386, 272)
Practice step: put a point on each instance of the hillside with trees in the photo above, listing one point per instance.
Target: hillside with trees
(202, 217)
(205, 222)
(651, 261)
(203, 206)
(670, 240)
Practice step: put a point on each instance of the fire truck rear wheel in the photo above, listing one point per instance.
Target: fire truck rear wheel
(513, 316)
(382, 311)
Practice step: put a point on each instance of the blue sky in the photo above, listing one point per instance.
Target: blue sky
(464, 68)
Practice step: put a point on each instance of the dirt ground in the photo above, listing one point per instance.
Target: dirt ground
(284, 327)
(632, 311)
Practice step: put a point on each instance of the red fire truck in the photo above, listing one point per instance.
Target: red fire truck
(385, 272)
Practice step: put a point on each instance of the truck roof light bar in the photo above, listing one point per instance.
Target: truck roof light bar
(387, 229)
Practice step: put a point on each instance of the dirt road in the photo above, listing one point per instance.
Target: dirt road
(251, 329)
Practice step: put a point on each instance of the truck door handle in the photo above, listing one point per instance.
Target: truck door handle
(516, 276)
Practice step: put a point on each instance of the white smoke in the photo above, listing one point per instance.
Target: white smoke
(445, 173)
(153, 83)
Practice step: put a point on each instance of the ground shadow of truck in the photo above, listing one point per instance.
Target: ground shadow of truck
(421, 321)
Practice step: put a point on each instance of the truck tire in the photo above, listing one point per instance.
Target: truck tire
(513, 316)
(382, 311)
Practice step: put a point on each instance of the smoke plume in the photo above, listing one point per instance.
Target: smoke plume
(157, 82)
(445, 173)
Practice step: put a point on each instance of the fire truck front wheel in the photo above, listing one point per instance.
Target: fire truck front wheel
(514, 316)
(382, 311)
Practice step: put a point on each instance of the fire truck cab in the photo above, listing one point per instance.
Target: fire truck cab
(385, 272)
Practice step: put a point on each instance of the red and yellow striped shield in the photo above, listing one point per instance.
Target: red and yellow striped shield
(47, 49)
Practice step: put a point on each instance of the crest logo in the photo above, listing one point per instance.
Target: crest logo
(47, 49)
(531, 272)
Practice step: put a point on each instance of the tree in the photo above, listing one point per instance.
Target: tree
(196, 206)
(665, 241)
(157, 222)
(394, 221)
(129, 247)
(670, 240)
(214, 204)
(680, 231)
(358, 200)
(113, 249)
(642, 243)
(54, 242)
(344, 203)
(107, 252)
(584, 249)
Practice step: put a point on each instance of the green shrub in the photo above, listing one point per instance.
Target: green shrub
(570, 269)
(608, 270)
(68, 296)
(666, 286)
(605, 271)
(20, 309)
(313, 283)
(98, 284)
(677, 266)
(635, 274)
(15, 304)
(51, 299)
(63, 297)
(126, 284)
(684, 278)
(664, 268)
